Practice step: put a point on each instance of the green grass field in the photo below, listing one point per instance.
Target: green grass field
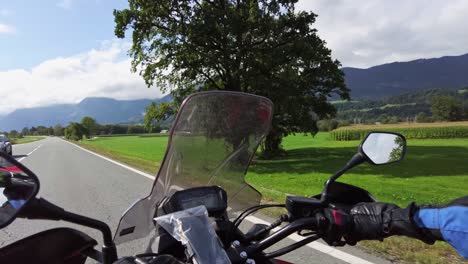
(142, 152)
(434, 171)
(25, 140)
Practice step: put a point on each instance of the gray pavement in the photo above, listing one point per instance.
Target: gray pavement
(86, 184)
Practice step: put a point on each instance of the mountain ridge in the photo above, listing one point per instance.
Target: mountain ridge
(104, 110)
(395, 78)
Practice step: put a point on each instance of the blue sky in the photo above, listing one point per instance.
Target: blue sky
(62, 51)
(52, 28)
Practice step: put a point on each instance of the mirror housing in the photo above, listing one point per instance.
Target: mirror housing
(377, 148)
(18, 185)
(380, 148)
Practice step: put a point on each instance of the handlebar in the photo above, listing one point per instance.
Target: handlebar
(310, 223)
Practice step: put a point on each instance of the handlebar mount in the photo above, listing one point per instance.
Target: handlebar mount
(299, 207)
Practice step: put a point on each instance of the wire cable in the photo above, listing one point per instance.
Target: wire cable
(252, 210)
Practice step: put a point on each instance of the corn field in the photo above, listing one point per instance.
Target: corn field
(432, 131)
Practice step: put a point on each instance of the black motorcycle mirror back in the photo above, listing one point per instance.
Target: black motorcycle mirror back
(17, 186)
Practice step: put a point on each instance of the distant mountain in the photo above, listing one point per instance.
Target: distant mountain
(104, 110)
(402, 77)
(404, 106)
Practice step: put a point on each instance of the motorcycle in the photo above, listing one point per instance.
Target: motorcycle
(199, 197)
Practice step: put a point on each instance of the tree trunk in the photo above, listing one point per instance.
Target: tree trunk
(272, 146)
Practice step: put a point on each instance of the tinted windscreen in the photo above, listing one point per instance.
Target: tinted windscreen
(212, 142)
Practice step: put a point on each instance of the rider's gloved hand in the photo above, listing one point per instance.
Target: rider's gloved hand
(376, 221)
(337, 224)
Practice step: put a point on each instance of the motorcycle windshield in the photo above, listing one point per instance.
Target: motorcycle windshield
(212, 142)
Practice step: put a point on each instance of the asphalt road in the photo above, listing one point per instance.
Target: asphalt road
(90, 185)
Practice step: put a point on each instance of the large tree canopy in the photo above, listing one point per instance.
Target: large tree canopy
(446, 108)
(264, 47)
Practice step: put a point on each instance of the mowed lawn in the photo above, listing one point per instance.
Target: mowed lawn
(143, 152)
(434, 171)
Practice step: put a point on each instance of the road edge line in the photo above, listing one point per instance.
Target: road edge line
(338, 254)
(144, 174)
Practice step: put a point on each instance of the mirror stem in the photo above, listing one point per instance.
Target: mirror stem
(39, 208)
(357, 159)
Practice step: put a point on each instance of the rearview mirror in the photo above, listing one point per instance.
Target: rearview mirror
(377, 148)
(383, 147)
(18, 185)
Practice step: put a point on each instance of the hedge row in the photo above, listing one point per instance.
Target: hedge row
(409, 132)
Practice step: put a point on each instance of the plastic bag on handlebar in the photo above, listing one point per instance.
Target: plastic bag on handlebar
(193, 229)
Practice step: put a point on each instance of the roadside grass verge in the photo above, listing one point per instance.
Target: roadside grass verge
(406, 250)
(23, 140)
(143, 152)
(434, 171)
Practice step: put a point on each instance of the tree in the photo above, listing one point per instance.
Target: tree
(33, 131)
(397, 151)
(90, 125)
(58, 130)
(262, 47)
(446, 108)
(14, 134)
(42, 131)
(327, 125)
(75, 131)
(156, 113)
(422, 117)
(25, 131)
(384, 118)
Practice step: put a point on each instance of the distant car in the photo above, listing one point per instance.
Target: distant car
(5, 145)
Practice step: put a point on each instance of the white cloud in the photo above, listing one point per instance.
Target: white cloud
(5, 29)
(65, 4)
(370, 32)
(103, 72)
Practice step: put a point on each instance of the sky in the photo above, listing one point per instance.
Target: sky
(62, 51)
(365, 33)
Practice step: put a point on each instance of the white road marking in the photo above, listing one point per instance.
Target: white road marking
(27, 155)
(149, 176)
(346, 257)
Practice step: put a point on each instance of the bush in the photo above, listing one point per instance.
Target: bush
(327, 125)
(422, 118)
(75, 131)
(343, 123)
(387, 119)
